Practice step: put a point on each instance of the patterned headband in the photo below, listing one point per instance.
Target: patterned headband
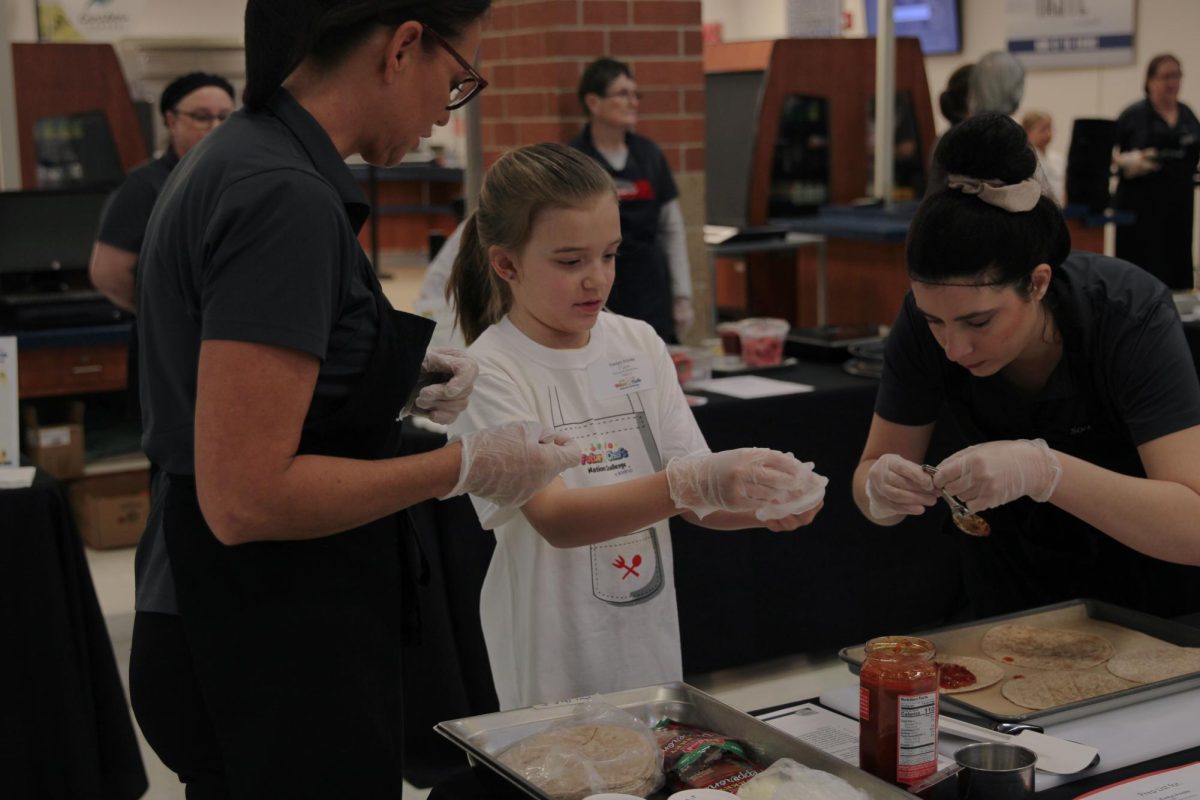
(1021, 196)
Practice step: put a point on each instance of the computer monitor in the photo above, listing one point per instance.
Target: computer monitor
(48, 231)
(937, 23)
(76, 150)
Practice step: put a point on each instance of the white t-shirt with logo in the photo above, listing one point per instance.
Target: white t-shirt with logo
(561, 623)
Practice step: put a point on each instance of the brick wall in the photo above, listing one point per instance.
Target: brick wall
(534, 52)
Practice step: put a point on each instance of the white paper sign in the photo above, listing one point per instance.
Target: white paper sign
(10, 446)
(87, 20)
(1071, 33)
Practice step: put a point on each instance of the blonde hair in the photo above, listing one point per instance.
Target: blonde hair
(520, 186)
(1031, 119)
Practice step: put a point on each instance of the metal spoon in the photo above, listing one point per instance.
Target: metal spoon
(965, 520)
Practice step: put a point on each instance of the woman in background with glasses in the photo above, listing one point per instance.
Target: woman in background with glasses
(1158, 139)
(654, 279)
(191, 106)
(273, 577)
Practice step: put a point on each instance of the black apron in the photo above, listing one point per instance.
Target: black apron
(1037, 553)
(642, 282)
(296, 644)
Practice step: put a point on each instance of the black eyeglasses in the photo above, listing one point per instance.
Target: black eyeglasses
(464, 91)
(203, 119)
(625, 94)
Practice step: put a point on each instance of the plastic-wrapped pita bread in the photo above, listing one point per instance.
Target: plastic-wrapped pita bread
(790, 780)
(599, 749)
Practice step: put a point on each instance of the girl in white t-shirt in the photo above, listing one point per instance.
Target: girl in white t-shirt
(579, 597)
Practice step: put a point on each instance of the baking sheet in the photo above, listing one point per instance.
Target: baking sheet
(1124, 628)
(484, 737)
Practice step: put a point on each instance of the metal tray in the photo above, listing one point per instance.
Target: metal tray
(484, 737)
(1122, 626)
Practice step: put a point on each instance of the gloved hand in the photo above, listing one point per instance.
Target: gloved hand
(440, 399)
(1135, 163)
(807, 491)
(684, 315)
(511, 463)
(896, 486)
(733, 480)
(994, 473)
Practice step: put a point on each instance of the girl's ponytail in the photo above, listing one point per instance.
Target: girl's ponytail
(479, 296)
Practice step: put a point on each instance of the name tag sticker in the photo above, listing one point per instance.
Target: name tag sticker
(625, 375)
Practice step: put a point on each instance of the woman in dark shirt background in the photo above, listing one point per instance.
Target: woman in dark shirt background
(1159, 143)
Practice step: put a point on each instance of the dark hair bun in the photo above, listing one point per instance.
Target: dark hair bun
(987, 146)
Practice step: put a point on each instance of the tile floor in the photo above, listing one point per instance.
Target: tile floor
(745, 688)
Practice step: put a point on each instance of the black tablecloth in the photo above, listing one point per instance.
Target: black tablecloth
(65, 729)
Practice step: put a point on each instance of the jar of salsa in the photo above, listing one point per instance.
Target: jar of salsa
(898, 709)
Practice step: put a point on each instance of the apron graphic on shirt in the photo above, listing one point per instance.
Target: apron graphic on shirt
(616, 448)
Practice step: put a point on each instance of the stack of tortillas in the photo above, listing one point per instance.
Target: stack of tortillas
(571, 762)
(1063, 653)
(1156, 663)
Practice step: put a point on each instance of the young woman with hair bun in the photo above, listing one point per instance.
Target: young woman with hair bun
(1068, 374)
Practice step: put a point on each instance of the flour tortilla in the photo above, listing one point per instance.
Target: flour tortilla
(986, 673)
(1155, 663)
(1045, 648)
(572, 762)
(1051, 689)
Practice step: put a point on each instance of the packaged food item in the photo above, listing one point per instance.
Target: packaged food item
(598, 749)
(790, 780)
(898, 709)
(762, 340)
(698, 759)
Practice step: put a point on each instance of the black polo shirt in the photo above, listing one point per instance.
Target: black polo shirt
(644, 184)
(128, 208)
(254, 239)
(1126, 377)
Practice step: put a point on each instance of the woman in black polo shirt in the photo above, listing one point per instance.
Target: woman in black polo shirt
(653, 281)
(1069, 375)
(271, 577)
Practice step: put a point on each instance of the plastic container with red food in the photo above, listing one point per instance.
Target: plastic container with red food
(762, 340)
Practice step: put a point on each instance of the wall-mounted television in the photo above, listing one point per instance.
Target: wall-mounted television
(937, 23)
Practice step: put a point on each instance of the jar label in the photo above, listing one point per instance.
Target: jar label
(864, 704)
(916, 741)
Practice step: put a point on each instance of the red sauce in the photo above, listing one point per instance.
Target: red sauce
(955, 676)
(898, 710)
(762, 351)
(1017, 677)
(1009, 659)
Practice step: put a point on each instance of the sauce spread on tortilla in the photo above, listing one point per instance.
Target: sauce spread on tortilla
(955, 676)
(1009, 659)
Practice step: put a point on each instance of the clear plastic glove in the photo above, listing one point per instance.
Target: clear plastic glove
(447, 380)
(511, 463)
(807, 492)
(733, 480)
(684, 316)
(994, 473)
(1135, 163)
(896, 486)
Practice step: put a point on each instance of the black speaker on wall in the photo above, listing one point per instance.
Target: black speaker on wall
(1089, 163)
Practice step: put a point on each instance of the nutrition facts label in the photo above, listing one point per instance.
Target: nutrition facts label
(917, 740)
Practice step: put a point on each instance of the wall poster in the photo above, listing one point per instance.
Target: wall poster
(1072, 33)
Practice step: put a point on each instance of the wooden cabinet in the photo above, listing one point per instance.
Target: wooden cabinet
(54, 371)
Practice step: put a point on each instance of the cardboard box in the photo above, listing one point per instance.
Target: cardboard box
(56, 448)
(111, 509)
